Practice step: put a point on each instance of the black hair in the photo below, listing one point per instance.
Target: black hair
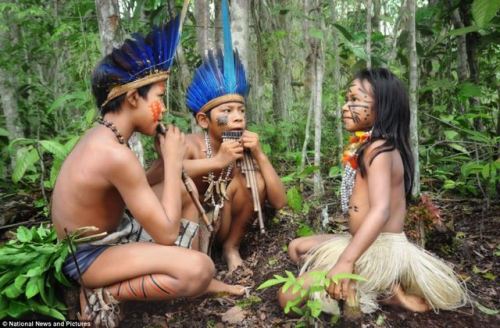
(103, 80)
(392, 120)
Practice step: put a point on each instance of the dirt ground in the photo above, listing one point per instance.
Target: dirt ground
(458, 230)
(470, 242)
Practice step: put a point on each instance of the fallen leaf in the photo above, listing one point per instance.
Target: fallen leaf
(234, 315)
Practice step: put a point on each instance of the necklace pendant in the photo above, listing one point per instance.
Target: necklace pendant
(209, 192)
(217, 187)
(216, 213)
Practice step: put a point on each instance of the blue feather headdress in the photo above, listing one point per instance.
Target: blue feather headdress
(221, 77)
(141, 61)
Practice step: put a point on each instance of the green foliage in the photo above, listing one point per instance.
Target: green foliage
(30, 270)
(28, 159)
(307, 308)
(483, 11)
(53, 48)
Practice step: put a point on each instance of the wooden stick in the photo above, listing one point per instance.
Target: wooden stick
(80, 279)
(160, 128)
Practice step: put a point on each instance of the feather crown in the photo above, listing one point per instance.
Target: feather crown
(142, 60)
(221, 77)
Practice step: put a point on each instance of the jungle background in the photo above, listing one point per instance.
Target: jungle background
(300, 57)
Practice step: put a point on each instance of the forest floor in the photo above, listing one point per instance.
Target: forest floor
(468, 237)
(471, 243)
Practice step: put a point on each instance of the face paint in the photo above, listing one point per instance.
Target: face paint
(222, 120)
(155, 109)
(358, 107)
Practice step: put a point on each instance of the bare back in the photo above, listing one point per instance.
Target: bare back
(83, 195)
(359, 205)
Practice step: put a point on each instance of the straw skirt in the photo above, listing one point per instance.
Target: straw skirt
(390, 260)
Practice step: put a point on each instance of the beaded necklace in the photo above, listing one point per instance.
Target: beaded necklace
(216, 191)
(350, 162)
(113, 128)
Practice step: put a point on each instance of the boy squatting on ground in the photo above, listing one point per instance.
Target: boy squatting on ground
(102, 175)
(210, 161)
(378, 173)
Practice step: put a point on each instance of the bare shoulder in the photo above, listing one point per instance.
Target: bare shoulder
(373, 153)
(195, 146)
(121, 158)
(110, 157)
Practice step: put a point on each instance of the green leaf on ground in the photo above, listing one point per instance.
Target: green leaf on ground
(486, 310)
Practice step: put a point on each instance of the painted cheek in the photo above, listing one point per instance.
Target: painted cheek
(155, 109)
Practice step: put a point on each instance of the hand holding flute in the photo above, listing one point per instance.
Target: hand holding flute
(250, 141)
(160, 128)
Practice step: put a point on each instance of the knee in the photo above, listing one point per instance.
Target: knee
(200, 273)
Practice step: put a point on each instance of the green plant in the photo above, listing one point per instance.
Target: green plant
(307, 308)
(30, 270)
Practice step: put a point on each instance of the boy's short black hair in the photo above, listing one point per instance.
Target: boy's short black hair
(103, 80)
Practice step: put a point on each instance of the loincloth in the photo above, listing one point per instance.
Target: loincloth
(85, 255)
(128, 231)
(389, 261)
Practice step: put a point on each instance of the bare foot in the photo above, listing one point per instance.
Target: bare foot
(233, 258)
(408, 301)
(219, 287)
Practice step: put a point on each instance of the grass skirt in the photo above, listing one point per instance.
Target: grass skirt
(390, 260)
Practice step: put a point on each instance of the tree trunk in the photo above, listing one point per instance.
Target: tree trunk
(8, 102)
(413, 94)
(399, 21)
(202, 17)
(108, 17)
(318, 114)
(368, 34)
(282, 79)
(218, 34)
(8, 99)
(336, 79)
(377, 8)
(472, 41)
(256, 65)
(239, 29)
(463, 66)
(316, 71)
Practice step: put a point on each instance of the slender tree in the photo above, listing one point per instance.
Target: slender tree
(239, 28)
(282, 79)
(368, 5)
(413, 60)
(202, 17)
(336, 77)
(400, 21)
(256, 65)
(8, 99)
(463, 65)
(316, 71)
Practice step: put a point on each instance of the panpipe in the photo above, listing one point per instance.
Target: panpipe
(248, 169)
(160, 128)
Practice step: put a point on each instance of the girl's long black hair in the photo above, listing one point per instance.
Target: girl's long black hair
(392, 120)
